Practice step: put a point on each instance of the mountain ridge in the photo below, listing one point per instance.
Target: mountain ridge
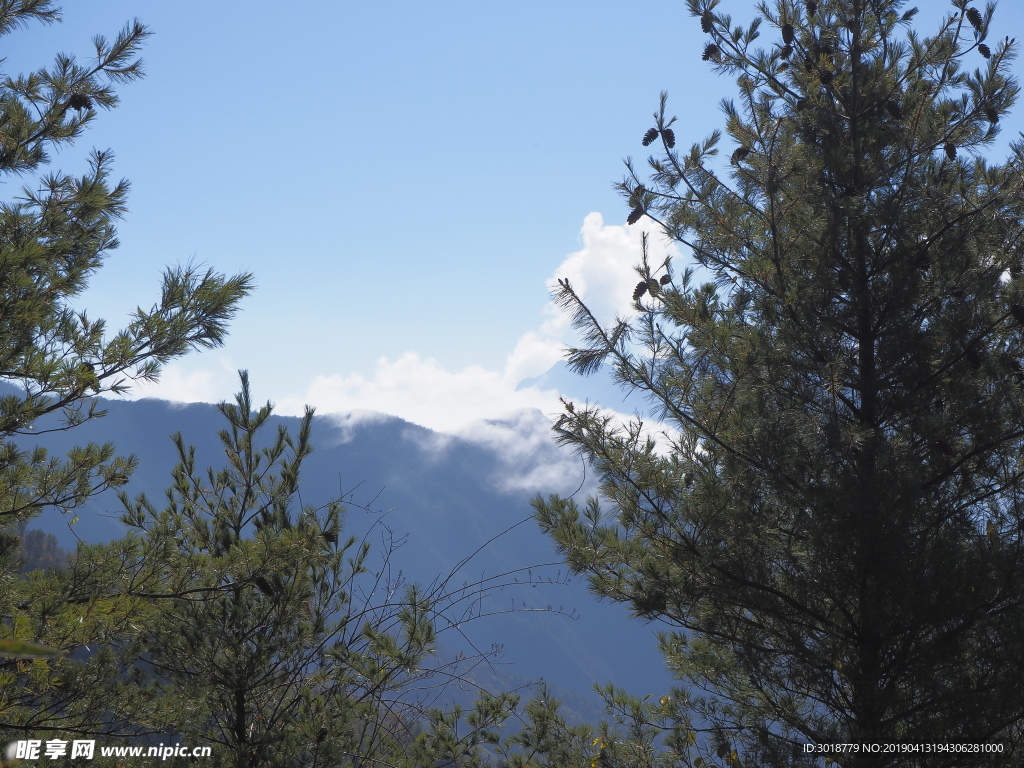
(442, 494)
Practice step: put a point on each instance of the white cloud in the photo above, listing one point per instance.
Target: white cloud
(602, 274)
(345, 424)
(186, 382)
(602, 271)
(534, 353)
(473, 402)
(530, 459)
(419, 390)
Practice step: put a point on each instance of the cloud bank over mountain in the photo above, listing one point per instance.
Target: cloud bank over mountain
(416, 387)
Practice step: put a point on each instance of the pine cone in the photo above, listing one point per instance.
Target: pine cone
(331, 537)
(950, 150)
(788, 34)
(711, 53)
(801, 105)
(984, 50)
(991, 115)
(648, 606)
(812, 7)
(79, 101)
(974, 17)
(640, 290)
(825, 76)
(650, 136)
(1018, 313)
(786, 51)
(669, 136)
(894, 109)
(666, 279)
(739, 154)
(707, 22)
(783, 66)
(264, 586)
(634, 215)
(636, 196)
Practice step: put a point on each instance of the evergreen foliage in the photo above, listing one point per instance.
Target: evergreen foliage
(273, 638)
(54, 235)
(261, 634)
(833, 529)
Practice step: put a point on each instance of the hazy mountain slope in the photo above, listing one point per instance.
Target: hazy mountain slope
(445, 494)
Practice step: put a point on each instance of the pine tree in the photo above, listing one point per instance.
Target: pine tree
(41, 550)
(832, 527)
(54, 234)
(272, 639)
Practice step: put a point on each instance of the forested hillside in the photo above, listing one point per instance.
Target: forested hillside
(441, 498)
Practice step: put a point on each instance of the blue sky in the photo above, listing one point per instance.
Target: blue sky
(404, 179)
